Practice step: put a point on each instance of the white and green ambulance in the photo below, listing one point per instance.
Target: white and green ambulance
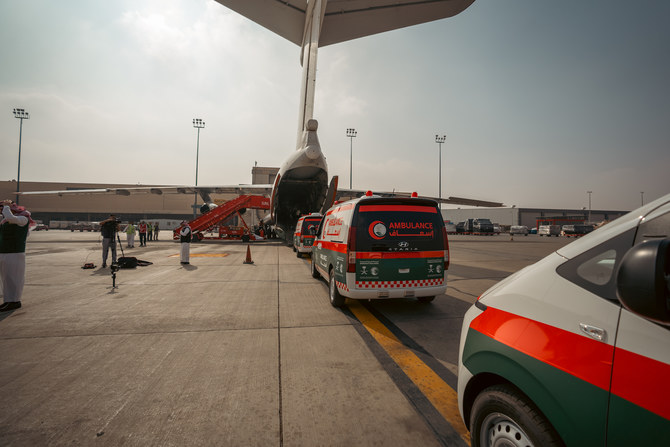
(305, 233)
(376, 248)
(575, 349)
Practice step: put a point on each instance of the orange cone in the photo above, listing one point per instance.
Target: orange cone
(248, 260)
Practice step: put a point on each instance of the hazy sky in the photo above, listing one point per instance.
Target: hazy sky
(540, 101)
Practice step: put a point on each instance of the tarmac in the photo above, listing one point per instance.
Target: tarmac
(217, 352)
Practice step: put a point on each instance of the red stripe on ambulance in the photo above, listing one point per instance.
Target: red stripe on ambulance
(626, 381)
(414, 209)
(582, 357)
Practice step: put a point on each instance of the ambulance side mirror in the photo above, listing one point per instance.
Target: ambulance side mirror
(643, 280)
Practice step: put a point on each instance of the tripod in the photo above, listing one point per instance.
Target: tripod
(114, 266)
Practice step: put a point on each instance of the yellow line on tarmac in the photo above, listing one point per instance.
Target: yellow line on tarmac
(441, 395)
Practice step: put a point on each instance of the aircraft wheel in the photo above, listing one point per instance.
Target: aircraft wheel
(336, 300)
(315, 272)
(502, 416)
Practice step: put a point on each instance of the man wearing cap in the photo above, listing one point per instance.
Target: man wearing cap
(13, 234)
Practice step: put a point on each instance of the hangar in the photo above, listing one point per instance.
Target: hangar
(136, 207)
(532, 217)
(178, 207)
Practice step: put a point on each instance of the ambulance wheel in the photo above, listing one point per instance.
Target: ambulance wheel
(298, 254)
(502, 416)
(315, 273)
(426, 299)
(294, 250)
(336, 300)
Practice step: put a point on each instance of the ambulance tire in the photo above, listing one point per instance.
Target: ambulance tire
(298, 254)
(426, 299)
(518, 422)
(314, 271)
(294, 250)
(336, 300)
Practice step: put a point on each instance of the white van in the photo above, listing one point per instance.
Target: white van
(549, 230)
(378, 248)
(574, 350)
(518, 229)
(305, 233)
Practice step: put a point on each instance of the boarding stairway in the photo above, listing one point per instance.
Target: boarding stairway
(218, 215)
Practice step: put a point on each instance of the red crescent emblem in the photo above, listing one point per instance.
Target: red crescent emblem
(371, 230)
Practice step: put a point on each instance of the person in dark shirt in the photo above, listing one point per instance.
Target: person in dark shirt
(185, 239)
(14, 227)
(108, 228)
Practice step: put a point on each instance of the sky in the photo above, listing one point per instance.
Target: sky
(539, 101)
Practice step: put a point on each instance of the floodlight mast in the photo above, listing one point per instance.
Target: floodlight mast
(199, 124)
(351, 133)
(439, 140)
(21, 114)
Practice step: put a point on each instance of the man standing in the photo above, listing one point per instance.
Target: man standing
(156, 230)
(142, 229)
(108, 228)
(13, 234)
(130, 235)
(185, 239)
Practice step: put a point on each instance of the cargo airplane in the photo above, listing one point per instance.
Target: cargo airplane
(301, 185)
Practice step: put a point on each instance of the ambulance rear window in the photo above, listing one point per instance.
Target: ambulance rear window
(399, 227)
(310, 225)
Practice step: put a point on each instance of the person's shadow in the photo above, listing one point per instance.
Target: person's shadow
(189, 267)
(4, 315)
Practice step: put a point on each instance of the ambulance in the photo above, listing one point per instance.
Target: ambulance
(305, 233)
(376, 248)
(575, 349)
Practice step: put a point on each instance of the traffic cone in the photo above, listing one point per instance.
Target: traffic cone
(248, 260)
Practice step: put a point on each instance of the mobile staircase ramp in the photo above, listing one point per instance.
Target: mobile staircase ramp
(212, 218)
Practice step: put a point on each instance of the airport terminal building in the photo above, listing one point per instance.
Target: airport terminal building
(178, 207)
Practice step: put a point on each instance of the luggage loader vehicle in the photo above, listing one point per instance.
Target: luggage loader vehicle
(574, 350)
(377, 248)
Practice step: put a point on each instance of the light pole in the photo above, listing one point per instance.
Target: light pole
(642, 197)
(199, 124)
(589, 193)
(351, 133)
(439, 140)
(22, 115)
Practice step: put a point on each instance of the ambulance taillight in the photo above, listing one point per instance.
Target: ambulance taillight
(351, 254)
